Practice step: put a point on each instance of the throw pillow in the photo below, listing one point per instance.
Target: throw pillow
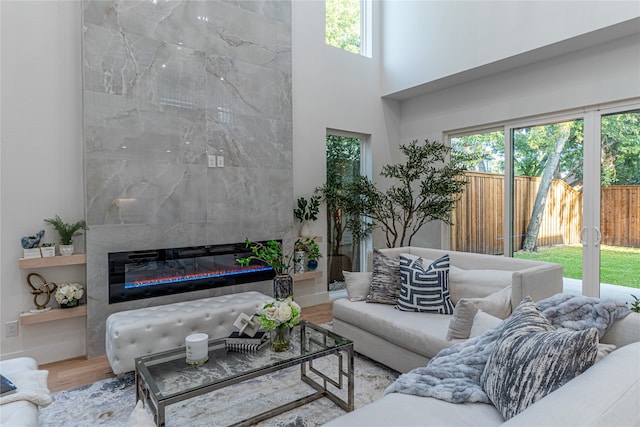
(425, 289)
(385, 279)
(482, 322)
(531, 359)
(357, 284)
(497, 304)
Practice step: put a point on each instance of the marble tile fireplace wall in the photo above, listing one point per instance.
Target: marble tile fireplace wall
(168, 84)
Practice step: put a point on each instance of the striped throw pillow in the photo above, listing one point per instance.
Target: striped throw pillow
(425, 289)
(532, 359)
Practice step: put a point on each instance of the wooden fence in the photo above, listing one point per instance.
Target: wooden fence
(479, 220)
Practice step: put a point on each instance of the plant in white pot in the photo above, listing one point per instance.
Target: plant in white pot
(66, 231)
(306, 211)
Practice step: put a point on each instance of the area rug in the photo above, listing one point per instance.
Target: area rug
(110, 402)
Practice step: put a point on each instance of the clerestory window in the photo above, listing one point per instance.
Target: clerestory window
(348, 25)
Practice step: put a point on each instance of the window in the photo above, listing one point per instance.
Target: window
(478, 219)
(345, 162)
(348, 25)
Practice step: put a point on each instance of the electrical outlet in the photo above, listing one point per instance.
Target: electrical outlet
(212, 161)
(12, 328)
(220, 161)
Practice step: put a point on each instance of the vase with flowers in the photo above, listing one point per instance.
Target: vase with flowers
(68, 294)
(278, 317)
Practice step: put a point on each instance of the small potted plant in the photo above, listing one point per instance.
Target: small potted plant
(66, 231)
(306, 211)
(311, 250)
(48, 249)
(271, 253)
(68, 294)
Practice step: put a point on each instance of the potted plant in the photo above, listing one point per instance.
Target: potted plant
(311, 250)
(306, 211)
(271, 253)
(66, 231)
(48, 249)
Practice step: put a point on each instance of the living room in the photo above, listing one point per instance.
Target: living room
(478, 64)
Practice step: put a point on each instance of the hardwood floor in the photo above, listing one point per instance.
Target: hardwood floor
(79, 371)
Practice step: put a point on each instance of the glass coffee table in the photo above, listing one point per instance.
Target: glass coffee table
(165, 378)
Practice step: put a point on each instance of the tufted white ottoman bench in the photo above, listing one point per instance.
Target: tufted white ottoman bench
(135, 333)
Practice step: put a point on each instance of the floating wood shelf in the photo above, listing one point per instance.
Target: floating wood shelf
(307, 275)
(54, 261)
(54, 314)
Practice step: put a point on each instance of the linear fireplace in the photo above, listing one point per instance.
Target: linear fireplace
(150, 273)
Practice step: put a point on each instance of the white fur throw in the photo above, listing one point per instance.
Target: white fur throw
(453, 375)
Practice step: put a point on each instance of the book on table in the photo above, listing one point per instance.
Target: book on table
(6, 386)
(241, 342)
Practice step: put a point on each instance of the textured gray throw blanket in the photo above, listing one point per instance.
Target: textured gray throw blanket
(453, 375)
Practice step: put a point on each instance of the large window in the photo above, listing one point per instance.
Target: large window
(348, 25)
(345, 161)
(563, 189)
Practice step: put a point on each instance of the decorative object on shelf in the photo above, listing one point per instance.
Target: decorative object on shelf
(307, 211)
(312, 252)
(30, 245)
(68, 294)
(197, 349)
(66, 231)
(298, 261)
(271, 254)
(278, 317)
(41, 290)
(48, 250)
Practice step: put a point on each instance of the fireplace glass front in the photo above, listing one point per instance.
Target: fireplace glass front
(150, 273)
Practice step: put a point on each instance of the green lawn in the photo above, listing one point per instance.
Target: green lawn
(618, 265)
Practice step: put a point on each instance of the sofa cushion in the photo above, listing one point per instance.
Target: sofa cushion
(406, 410)
(385, 280)
(425, 289)
(482, 322)
(532, 359)
(497, 304)
(476, 283)
(605, 395)
(422, 333)
(357, 284)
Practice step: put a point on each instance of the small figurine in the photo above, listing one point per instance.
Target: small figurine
(246, 325)
(41, 289)
(31, 242)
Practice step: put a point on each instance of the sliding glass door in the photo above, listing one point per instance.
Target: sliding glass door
(570, 193)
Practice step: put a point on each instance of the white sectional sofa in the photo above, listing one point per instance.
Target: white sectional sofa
(143, 331)
(606, 394)
(405, 340)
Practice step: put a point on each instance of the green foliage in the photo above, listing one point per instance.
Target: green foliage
(343, 24)
(270, 253)
(635, 305)
(310, 246)
(425, 188)
(65, 230)
(307, 210)
(618, 265)
(621, 149)
(343, 166)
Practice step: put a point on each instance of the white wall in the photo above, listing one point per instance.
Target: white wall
(429, 40)
(333, 89)
(41, 159)
(591, 77)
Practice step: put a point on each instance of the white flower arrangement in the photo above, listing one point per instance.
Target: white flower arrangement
(67, 292)
(279, 312)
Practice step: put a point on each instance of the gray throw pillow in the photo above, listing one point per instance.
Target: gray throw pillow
(357, 284)
(532, 359)
(385, 280)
